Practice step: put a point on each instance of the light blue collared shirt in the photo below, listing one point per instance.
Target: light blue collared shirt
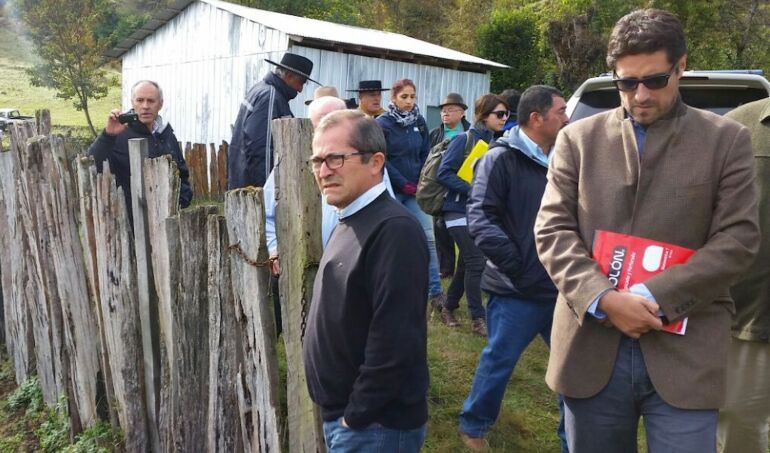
(362, 201)
(533, 150)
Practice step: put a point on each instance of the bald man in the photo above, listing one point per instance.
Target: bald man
(323, 106)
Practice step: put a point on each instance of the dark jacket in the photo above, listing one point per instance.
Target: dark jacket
(437, 134)
(250, 157)
(159, 144)
(505, 198)
(457, 196)
(407, 150)
(752, 294)
(365, 347)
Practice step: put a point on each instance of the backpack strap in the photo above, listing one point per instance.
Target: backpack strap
(470, 142)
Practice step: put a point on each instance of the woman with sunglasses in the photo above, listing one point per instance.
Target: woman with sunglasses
(490, 114)
(408, 144)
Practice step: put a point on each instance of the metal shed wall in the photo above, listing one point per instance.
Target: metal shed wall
(206, 59)
(344, 70)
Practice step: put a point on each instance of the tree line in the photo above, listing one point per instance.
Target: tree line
(558, 42)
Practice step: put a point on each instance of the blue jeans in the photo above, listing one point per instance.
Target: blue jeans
(512, 325)
(373, 439)
(426, 222)
(608, 421)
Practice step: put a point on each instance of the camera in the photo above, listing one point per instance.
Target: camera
(128, 117)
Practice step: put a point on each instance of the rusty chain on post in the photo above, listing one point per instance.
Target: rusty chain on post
(236, 248)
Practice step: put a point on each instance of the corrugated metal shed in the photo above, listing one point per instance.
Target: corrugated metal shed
(206, 54)
(317, 33)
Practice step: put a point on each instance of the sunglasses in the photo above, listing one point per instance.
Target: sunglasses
(654, 82)
(500, 114)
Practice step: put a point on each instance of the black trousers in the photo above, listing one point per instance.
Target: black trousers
(445, 247)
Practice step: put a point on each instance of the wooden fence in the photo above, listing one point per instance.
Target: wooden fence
(208, 174)
(162, 326)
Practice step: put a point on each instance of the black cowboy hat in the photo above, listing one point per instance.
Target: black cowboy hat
(370, 85)
(296, 64)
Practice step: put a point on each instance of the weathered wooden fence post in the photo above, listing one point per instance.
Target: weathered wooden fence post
(225, 345)
(87, 196)
(298, 220)
(148, 300)
(258, 378)
(81, 335)
(18, 320)
(120, 312)
(188, 385)
(52, 363)
(222, 167)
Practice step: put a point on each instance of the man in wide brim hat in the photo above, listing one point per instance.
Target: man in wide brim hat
(296, 64)
(250, 157)
(370, 97)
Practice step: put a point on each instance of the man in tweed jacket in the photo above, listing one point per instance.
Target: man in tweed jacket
(658, 169)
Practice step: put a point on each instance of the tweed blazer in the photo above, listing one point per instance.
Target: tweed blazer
(693, 187)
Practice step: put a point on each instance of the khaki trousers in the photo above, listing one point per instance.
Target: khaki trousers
(743, 423)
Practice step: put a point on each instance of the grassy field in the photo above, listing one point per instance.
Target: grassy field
(529, 414)
(16, 56)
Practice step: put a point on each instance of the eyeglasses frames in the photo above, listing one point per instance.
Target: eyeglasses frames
(500, 114)
(654, 82)
(333, 161)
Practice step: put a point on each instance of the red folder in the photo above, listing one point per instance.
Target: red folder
(628, 260)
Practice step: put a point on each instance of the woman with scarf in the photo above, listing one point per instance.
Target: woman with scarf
(490, 114)
(408, 144)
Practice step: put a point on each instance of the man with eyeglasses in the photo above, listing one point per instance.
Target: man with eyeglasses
(365, 347)
(657, 169)
(250, 157)
(453, 122)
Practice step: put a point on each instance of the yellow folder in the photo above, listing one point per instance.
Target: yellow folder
(466, 169)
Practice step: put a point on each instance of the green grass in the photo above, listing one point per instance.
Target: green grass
(529, 414)
(26, 424)
(16, 56)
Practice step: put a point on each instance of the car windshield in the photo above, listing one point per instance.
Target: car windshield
(718, 99)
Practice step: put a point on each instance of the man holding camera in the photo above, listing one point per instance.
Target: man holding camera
(142, 122)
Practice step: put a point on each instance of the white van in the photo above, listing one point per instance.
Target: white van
(717, 91)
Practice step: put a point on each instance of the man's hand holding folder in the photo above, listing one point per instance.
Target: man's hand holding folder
(631, 314)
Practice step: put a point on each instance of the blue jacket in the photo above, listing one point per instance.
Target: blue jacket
(457, 196)
(162, 142)
(407, 149)
(250, 157)
(505, 198)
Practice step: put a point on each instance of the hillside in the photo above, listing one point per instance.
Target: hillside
(16, 55)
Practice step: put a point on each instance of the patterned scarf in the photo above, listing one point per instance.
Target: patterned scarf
(404, 119)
